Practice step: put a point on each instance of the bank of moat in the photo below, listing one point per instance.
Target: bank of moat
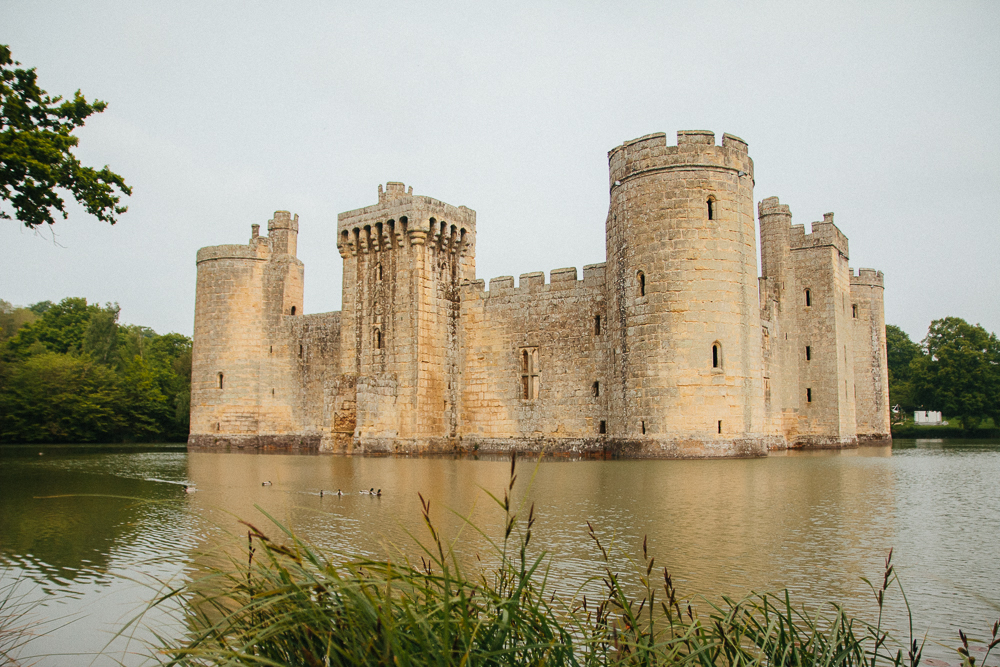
(673, 347)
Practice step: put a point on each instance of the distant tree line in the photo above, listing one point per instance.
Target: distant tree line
(955, 369)
(70, 372)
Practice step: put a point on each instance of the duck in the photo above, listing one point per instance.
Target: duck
(379, 494)
(190, 489)
(267, 483)
(321, 493)
(339, 492)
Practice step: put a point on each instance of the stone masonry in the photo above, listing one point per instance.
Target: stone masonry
(674, 347)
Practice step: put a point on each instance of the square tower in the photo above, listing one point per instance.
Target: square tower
(404, 260)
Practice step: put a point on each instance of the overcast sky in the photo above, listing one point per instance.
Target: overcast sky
(220, 113)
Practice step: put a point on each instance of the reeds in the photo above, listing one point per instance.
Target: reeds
(289, 604)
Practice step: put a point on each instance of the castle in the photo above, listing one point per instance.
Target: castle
(674, 347)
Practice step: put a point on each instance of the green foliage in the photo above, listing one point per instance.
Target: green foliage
(900, 353)
(75, 375)
(13, 318)
(61, 329)
(960, 372)
(36, 158)
(53, 397)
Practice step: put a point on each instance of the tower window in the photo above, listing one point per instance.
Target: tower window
(529, 373)
(293, 310)
(641, 283)
(716, 355)
(597, 325)
(854, 310)
(808, 298)
(711, 208)
(378, 339)
(808, 353)
(603, 428)
(809, 395)
(597, 388)
(220, 380)
(720, 426)
(301, 350)
(642, 427)
(378, 272)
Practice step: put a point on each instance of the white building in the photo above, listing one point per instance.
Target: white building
(927, 418)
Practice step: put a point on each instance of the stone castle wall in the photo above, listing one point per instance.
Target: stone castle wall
(672, 348)
(534, 362)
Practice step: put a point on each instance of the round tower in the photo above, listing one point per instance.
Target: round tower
(245, 298)
(229, 328)
(684, 316)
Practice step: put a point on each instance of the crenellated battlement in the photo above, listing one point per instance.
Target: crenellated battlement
(559, 279)
(401, 218)
(283, 220)
(773, 206)
(694, 149)
(822, 234)
(868, 277)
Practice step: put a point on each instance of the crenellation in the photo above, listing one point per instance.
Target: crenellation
(672, 347)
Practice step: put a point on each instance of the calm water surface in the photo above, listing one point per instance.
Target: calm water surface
(90, 534)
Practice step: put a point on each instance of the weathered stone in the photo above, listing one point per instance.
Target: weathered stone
(672, 348)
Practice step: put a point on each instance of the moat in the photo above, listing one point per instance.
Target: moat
(88, 528)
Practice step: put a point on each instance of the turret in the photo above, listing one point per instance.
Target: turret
(871, 371)
(682, 289)
(283, 230)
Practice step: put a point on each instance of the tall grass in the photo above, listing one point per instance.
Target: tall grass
(283, 602)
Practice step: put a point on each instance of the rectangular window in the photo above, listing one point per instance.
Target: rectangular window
(529, 373)
(597, 325)
(808, 353)
(603, 427)
(809, 395)
(854, 310)
(720, 426)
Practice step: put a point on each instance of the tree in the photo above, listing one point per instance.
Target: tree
(36, 159)
(62, 328)
(13, 318)
(960, 374)
(900, 353)
(58, 398)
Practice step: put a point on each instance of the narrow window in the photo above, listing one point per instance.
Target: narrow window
(808, 298)
(597, 388)
(808, 353)
(378, 339)
(270, 349)
(642, 426)
(715, 355)
(220, 380)
(218, 426)
(603, 427)
(293, 310)
(272, 391)
(378, 272)
(854, 310)
(300, 351)
(720, 426)
(641, 279)
(529, 373)
(597, 325)
(711, 208)
(809, 395)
